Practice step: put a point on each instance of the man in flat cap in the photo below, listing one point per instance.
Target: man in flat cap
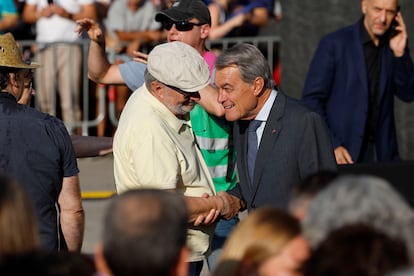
(154, 146)
(36, 149)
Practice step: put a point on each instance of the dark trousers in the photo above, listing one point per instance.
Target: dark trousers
(195, 268)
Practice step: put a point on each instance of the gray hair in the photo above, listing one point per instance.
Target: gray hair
(366, 199)
(148, 78)
(250, 62)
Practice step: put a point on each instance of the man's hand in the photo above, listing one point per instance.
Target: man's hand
(232, 205)
(342, 156)
(207, 219)
(140, 57)
(92, 28)
(398, 43)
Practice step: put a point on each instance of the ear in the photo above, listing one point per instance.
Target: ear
(100, 262)
(13, 79)
(364, 6)
(157, 88)
(204, 31)
(181, 268)
(258, 85)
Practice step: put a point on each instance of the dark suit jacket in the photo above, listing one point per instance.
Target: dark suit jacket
(295, 143)
(337, 88)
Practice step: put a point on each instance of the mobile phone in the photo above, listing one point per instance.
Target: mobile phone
(392, 30)
(50, 2)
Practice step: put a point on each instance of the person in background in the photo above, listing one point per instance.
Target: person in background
(9, 18)
(267, 242)
(43, 263)
(221, 25)
(257, 14)
(277, 139)
(130, 26)
(303, 193)
(144, 233)
(18, 226)
(55, 22)
(353, 78)
(359, 199)
(36, 149)
(358, 249)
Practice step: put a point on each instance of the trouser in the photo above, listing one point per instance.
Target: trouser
(61, 68)
(195, 268)
(222, 231)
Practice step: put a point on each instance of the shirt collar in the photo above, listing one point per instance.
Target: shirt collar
(265, 111)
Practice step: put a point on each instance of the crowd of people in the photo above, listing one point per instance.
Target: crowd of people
(200, 139)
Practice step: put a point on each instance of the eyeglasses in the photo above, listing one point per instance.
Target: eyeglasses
(182, 26)
(184, 93)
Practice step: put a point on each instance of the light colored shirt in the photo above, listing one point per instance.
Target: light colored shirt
(121, 18)
(154, 149)
(56, 28)
(264, 114)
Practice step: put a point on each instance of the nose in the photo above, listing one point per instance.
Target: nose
(220, 96)
(383, 16)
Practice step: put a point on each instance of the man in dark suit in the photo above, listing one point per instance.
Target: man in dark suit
(291, 141)
(353, 77)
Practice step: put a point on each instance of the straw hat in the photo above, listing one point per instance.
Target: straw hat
(10, 55)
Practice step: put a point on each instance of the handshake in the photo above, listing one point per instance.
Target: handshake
(206, 209)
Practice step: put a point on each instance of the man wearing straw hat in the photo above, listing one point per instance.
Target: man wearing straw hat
(36, 149)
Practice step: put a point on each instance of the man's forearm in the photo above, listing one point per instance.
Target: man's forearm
(72, 217)
(98, 64)
(201, 206)
(73, 224)
(227, 205)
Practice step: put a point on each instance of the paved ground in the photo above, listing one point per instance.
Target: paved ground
(97, 180)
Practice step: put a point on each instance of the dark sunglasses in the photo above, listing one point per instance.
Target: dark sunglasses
(184, 93)
(182, 26)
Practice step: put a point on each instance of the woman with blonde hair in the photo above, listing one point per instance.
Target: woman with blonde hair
(18, 228)
(267, 242)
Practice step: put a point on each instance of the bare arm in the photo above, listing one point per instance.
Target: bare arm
(30, 13)
(207, 208)
(8, 21)
(99, 68)
(259, 17)
(218, 30)
(208, 100)
(86, 11)
(72, 217)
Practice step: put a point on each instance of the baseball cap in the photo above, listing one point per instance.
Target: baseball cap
(183, 10)
(179, 65)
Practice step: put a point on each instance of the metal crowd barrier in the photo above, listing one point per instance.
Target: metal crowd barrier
(269, 45)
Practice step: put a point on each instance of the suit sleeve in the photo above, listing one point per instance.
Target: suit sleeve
(404, 77)
(315, 146)
(318, 84)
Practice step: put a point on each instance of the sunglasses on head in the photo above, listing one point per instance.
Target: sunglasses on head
(181, 26)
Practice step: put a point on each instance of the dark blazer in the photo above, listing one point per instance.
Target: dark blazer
(295, 143)
(337, 88)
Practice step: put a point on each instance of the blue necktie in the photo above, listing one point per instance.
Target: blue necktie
(252, 147)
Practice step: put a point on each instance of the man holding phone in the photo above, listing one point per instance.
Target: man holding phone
(352, 80)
